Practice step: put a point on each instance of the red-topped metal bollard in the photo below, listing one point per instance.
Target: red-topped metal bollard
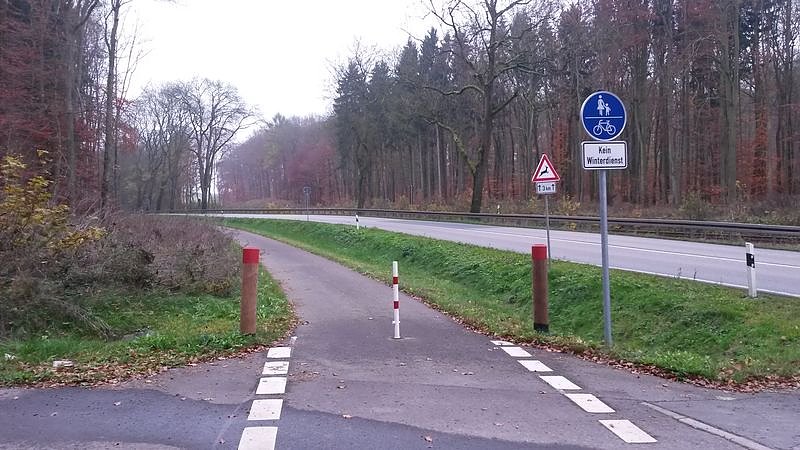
(247, 313)
(539, 289)
(396, 298)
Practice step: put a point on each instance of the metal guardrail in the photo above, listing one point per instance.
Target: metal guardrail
(778, 234)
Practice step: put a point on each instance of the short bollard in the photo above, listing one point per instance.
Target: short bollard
(539, 288)
(247, 313)
(750, 259)
(396, 299)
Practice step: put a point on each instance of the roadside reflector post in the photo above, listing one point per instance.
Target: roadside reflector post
(247, 313)
(358, 227)
(539, 288)
(396, 295)
(752, 290)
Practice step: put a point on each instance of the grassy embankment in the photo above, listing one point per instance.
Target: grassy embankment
(151, 330)
(683, 327)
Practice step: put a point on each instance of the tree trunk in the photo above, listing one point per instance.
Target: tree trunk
(111, 94)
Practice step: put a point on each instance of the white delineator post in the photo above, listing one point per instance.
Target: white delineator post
(752, 290)
(396, 294)
(358, 227)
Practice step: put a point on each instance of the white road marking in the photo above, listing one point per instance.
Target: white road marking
(279, 352)
(271, 385)
(516, 352)
(589, 403)
(268, 409)
(258, 438)
(276, 368)
(534, 366)
(501, 343)
(743, 441)
(703, 280)
(628, 247)
(560, 383)
(628, 432)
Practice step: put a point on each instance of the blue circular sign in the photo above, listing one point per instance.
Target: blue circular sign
(603, 116)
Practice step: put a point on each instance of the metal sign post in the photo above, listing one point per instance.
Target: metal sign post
(547, 226)
(604, 253)
(307, 193)
(545, 178)
(603, 117)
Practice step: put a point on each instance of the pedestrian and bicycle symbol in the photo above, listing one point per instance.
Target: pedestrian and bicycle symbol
(603, 116)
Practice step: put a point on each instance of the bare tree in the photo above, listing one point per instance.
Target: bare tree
(484, 43)
(216, 113)
(75, 14)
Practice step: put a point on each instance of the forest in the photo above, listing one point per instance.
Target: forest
(455, 119)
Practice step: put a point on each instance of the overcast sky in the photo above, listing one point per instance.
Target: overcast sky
(278, 53)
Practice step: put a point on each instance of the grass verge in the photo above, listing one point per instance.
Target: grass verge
(153, 331)
(685, 328)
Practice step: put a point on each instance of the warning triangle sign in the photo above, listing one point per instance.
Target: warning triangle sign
(545, 171)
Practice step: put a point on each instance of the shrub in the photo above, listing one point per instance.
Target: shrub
(53, 262)
(176, 253)
(37, 241)
(695, 207)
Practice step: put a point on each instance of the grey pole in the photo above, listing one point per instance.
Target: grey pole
(547, 225)
(604, 247)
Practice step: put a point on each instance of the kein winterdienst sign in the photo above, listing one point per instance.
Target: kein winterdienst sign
(605, 155)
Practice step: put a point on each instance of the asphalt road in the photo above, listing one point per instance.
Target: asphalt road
(350, 385)
(778, 271)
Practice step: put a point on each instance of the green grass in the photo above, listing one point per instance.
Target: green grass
(151, 331)
(684, 327)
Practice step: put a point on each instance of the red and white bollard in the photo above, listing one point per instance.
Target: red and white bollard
(396, 294)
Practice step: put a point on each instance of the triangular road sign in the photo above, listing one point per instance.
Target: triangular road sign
(545, 171)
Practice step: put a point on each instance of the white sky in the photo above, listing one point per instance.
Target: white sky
(278, 53)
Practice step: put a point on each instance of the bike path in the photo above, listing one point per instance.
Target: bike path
(442, 379)
(351, 386)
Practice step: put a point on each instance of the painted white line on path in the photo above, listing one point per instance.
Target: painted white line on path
(516, 352)
(628, 432)
(279, 352)
(743, 441)
(589, 403)
(268, 409)
(258, 438)
(560, 383)
(534, 366)
(271, 385)
(276, 368)
(501, 343)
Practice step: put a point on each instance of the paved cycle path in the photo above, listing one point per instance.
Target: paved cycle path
(350, 385)
(443, 386)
